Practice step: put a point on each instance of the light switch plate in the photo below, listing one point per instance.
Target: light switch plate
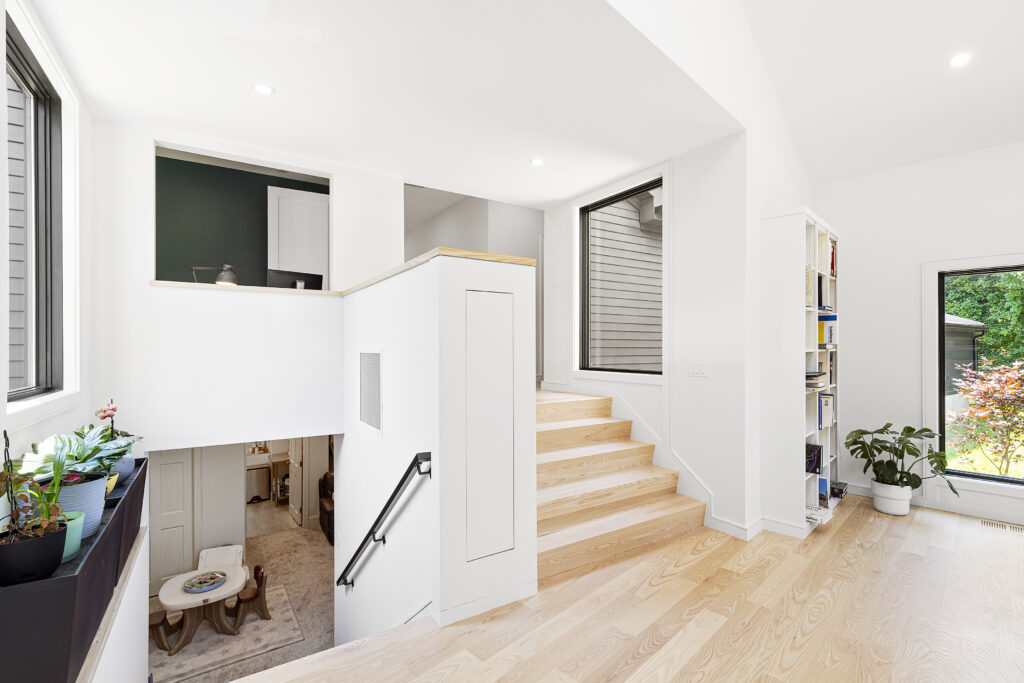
(698, 369)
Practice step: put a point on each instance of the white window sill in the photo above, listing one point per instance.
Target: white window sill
(29, 411)
(625, 377)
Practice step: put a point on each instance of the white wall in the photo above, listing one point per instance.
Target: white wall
(462, 225)
(399, 318)
(479, 225)
(420, 322)
(713, 43)
(514, 230)
(892, 223)
(692, 421)
(194, 367)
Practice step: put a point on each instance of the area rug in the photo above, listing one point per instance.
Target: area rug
(210, 650)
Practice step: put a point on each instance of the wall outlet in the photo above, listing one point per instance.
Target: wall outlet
(698, 369)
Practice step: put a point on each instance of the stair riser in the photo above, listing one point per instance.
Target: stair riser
(558, 411)
(550, 474)
(565, 507)
(605, 546)
(571, 437)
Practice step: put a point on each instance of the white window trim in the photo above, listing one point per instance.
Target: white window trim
(992, 498)
(664, 172)
(29, 411)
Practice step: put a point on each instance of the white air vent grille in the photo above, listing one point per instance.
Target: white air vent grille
(369, 388)
(1002, 526)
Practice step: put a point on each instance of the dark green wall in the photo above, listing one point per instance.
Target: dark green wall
(208, 215)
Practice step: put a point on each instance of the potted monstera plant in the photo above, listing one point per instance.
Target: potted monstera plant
(886, 453)
(33, 529)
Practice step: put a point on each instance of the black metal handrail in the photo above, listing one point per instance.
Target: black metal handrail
(371, 536)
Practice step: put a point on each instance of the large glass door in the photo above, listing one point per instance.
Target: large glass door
(981, 367)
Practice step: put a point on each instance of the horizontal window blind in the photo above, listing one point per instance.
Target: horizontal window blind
(624, 288)
(19, 328)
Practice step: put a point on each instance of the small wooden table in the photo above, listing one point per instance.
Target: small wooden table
(197, 607)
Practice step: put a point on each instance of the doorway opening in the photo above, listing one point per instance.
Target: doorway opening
(981, 366)
(258, 517)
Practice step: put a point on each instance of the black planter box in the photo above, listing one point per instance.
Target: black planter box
(47, 626)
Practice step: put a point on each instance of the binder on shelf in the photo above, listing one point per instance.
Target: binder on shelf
(812, 458)
(828, 329)
(826, 410)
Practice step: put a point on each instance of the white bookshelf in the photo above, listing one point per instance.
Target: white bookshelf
(796, 248)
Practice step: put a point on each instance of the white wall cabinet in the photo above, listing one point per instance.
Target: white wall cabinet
(298, 231)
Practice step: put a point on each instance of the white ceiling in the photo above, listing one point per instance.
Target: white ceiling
(454, 94)
(866, 85)
(423, 203)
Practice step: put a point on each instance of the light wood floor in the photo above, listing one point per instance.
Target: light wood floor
(928, 597)
(267, 517)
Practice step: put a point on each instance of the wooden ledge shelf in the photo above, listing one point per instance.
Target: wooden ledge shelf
(412, 263)
(243, 288)
(442, 251)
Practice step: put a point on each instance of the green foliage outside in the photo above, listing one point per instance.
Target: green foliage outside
(996, 299)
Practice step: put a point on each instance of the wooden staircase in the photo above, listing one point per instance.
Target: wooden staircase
(597, 492)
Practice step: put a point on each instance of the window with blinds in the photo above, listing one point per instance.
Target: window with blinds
(621, 284)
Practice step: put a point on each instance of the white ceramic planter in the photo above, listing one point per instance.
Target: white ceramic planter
(892, 500)
(88, 499)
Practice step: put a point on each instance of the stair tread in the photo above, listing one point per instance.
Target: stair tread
(602, 481)
(617, 521)
(582, 422)
(589, 450)
(564, 397)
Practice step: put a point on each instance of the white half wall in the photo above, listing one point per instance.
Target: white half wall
(896, 224)
(397, 318)
(197, 367)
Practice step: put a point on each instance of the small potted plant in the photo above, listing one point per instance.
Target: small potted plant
(78, 465)
(885, 452)
(33, 532)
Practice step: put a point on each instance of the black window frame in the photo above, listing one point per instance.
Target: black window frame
(942, 367)
(585, 211)
(47, 227)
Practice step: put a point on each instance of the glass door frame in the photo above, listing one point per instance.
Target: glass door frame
(941, 392)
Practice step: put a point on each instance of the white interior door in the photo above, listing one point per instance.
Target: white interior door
(295, 479)
(170, 512)
(297, 231)
(219, 496)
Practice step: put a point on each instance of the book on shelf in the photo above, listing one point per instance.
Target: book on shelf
(826, 410)
(832, 366)
(817, 514)
(809, 293)
(823, 492)
(812, 458)
(838, 490)
(816, 380)
(833, 249)
(828, 328)
(821, 289)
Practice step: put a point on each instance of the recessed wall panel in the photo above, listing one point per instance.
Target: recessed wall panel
(490, 518)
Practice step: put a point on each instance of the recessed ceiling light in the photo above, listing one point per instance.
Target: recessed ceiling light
(960, 60)
(263, 89)
(537, 163)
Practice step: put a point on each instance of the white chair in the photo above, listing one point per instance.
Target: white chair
(221, 556)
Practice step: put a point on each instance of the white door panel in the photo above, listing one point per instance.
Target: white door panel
(170, 507)
(297, 231)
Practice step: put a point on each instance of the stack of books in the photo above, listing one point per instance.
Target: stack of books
(816, 380)
(817, 515)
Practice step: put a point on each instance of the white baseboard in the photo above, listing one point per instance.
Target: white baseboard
(481, 605)
(740, 531)
(800, 531)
